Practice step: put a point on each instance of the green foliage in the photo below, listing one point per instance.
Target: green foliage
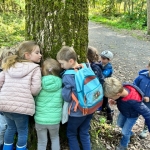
(121, 22)
(12, 29)
(12, 22)
(120, 14)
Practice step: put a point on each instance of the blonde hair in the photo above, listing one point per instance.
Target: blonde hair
(25, 47)
(51, 66)
(112, 87)
(66, 53)
(6, 52)
(92, 54)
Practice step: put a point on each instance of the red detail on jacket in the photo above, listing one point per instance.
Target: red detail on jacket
(133, 94)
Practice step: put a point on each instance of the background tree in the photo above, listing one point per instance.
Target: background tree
(53, 22)
(148, 17)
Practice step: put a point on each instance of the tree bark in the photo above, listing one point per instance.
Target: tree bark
(54, 22)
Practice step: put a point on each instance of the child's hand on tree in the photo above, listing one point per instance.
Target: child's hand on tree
(146, 99)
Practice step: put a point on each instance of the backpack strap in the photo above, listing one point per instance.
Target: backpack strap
(76, 101)
(72, 71)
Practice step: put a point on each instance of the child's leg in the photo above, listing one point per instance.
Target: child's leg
(105, 102)
(16, 123)
(54, 136)
(145, 132)
(126, 130)
(72, 131)
(84, 133)
(42, 136)
(3, 126)
(121, 120)
(11, 129)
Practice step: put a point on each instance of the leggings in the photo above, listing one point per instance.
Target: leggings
(42, 136)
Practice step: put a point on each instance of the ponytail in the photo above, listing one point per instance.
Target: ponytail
(9, 61)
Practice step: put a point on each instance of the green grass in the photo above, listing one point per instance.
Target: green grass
(120, 22)
(12, 27)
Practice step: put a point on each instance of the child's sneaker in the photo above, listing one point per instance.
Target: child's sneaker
(121, 148)
(144, 133)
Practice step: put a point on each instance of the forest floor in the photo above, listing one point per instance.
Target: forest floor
(131, 53)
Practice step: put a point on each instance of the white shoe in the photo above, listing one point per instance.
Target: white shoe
(144, 133)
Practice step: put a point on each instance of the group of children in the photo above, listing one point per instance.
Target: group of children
(24, 92)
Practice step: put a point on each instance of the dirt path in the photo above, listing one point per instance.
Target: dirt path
(130, 55)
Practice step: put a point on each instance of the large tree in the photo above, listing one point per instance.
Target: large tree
(54, 22)
(148, 17)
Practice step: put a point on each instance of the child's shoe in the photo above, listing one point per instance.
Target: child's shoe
(121, 148)
(8, 146)
(21, 148)
(144, 133)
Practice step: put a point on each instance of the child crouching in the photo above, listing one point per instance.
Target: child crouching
(129, 99)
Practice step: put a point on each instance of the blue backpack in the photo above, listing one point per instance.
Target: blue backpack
(89, 90)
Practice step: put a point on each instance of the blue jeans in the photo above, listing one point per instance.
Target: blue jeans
(81, 126)
(126, 124)
(16, 123)
(3, 126)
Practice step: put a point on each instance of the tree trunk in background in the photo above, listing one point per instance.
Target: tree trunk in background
(54, 22)
(148, 17)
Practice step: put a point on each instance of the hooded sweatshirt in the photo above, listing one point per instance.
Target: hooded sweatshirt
(49, 101)
(143, 82)
(18, 85)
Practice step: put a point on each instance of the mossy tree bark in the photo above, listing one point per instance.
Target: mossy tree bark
(53, 22)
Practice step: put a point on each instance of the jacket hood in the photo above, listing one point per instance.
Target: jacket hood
(137, 88)
(21, 69)
(144, 72)
(51, 83)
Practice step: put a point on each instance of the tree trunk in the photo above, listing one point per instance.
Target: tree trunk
(54, 22)
(148, 17)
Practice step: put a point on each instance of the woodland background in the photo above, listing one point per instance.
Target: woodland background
(53, 23)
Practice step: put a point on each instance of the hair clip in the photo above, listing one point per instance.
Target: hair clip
(50, 69)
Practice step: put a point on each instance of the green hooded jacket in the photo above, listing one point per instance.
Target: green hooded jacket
(48, 110)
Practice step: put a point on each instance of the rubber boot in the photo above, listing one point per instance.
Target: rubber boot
(21, 148)
(8, 146)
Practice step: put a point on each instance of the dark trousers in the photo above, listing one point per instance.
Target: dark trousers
(81, 126)
(105, 106)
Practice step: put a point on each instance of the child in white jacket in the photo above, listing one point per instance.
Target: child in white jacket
(3, 125)
(20, 80)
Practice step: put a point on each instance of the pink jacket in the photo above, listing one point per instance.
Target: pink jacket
(17, 85)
